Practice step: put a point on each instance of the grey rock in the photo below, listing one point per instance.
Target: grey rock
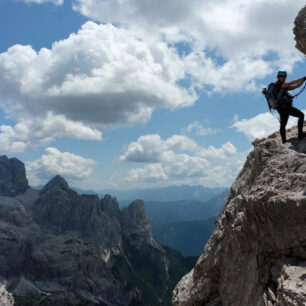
(110, 206)
(25, 199)
(300, 31)
(13, 179)
(256, 255)
(6, 298)
(37, 264)
(61, 210)
(58, 247)
(136, 226)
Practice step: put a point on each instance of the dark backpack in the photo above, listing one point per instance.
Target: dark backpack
(271, 96)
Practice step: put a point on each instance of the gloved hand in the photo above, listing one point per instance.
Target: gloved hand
(304, 78)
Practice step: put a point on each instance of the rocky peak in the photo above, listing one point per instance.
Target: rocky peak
(110, 206)
(80, 249)
(13, 179)
(300, 30)
(256, 255)
(53, 207)
(134, 218)
(56, 182)
(136, 226)
(61, 210)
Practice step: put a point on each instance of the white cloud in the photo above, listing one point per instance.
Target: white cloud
(198, 129)
(151, 148)
(186, 169)
(73, 167)
(117, 75)
(151, 172)
(100, 76)
(56, 2)
(220, 153)
(167, 164)
(41, 131)
(233, 43)
(181, 167)
(261, 125)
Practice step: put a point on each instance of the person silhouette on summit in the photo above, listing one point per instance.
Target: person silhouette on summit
(285, 108)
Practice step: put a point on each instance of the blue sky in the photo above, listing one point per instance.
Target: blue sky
(178, 93)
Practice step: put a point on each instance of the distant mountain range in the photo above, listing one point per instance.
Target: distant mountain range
(184, 222)
(189, 238)
(161, 213)
(162, 194)
(185, 225)
(61, 248)
(166, 194)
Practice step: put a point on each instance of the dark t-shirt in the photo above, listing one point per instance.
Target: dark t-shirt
(283, 96)
(279, 91)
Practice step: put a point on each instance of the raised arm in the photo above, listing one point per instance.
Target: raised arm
(294, 84)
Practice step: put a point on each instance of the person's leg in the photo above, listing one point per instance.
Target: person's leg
(284, 116)
(297, 113)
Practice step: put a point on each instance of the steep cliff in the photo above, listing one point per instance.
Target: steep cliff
(12, 177)
(257, 253)
(61, 248)
(300, 30)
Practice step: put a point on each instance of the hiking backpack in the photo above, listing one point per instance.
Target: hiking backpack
(271, 96)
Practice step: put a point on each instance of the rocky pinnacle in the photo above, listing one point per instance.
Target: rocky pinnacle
(300, 30)
(13, 179)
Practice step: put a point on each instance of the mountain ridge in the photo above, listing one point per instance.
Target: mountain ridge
(256, 255)
(61, 248)
(187, 237)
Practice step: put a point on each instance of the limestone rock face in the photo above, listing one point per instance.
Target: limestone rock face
(61, 248)
(300, 31)
(13, 179)
(136, 225)
(257, 253)
(6, 299)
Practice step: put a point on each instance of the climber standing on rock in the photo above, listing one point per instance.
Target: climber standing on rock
(284, 103)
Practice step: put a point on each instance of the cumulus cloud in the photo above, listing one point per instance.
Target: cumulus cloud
(261, 125)
(100, 76)
(151, 172)
(219, 153)
(116, 73)
(181, 167)
(41, 131)
(151, 148)
(233, 43)
(198, 129)
(73, 167)
(180, 160)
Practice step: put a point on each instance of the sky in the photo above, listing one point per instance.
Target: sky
(140, 93)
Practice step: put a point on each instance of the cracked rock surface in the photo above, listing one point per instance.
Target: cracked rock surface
(61, 248)
(6, 299)
(257, 253)
(300, 30)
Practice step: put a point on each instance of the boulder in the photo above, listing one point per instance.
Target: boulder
(300, 30)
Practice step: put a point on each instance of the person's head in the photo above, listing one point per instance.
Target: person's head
(281, 76)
